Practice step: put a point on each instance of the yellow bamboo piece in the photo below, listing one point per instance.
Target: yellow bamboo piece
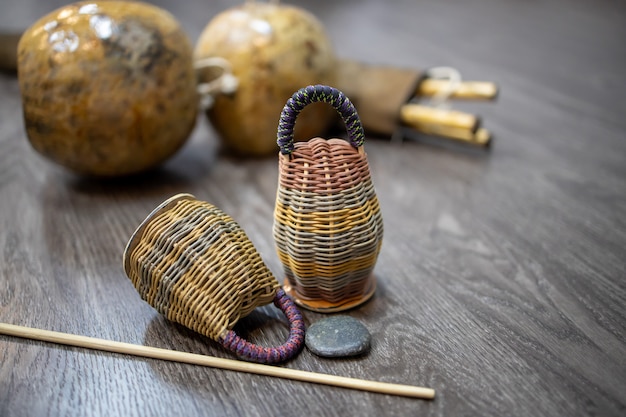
(482, 137)
(210, 361)
(417, 115)
(468, 90)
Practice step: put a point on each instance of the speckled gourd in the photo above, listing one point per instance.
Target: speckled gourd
(273, 50)
(108, 87)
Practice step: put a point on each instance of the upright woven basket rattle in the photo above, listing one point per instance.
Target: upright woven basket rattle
(194, 264)
(327, 222)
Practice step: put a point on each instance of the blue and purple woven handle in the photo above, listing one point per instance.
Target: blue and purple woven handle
(312, 94)
(288, 350)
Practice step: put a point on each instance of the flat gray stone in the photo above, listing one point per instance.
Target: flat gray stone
(338, 336)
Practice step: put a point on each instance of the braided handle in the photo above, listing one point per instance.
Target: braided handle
(289, 349)
(312, 94)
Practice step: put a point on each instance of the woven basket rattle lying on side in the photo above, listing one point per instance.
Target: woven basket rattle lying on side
(195, 265)
(327, 222)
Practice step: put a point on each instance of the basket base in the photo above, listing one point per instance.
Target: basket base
(323, 306)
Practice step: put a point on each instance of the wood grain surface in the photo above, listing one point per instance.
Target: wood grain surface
(502, 278)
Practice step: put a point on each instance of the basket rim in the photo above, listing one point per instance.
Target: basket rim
(321, 305)
(138, 233)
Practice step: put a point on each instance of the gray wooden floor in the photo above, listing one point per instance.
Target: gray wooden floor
(502, 278)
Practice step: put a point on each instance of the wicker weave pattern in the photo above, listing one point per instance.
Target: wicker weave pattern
(327, 222)
(195, 265)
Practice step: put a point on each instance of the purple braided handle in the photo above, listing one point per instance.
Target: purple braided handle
(288, 350)
(312, 94)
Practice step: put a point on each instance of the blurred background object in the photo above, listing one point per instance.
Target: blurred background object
(108, 87)
(273, 50)
(387, 98)
(8, 50)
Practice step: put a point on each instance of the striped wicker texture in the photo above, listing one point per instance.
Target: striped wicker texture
(195, 265)
(328, 226)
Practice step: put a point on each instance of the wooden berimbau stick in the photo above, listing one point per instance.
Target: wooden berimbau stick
(466, 90)
(453, 124)
(426, 115)
(210, 361)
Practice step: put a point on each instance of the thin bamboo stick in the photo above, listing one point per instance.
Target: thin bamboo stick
(203, 360)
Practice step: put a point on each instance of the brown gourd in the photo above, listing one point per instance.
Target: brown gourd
(273, 50)
(108, 87)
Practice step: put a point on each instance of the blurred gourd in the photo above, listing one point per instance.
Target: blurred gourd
(108, 87)
(273, 50)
